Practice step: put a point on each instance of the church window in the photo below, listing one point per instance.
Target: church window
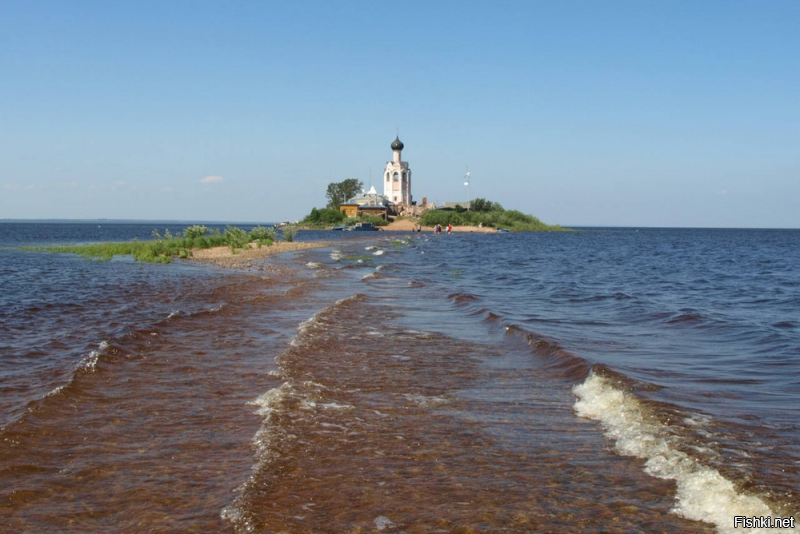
(404, 176)
(387, 176)
(396, 177)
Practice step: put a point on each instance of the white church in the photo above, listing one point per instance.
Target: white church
(397, 177)
(396, 197)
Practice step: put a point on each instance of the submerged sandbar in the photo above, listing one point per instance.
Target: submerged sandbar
(224, 257)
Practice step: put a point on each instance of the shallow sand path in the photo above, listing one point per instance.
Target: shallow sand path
(223, 257)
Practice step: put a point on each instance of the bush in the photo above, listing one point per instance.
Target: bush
(332, 216)
(260, 233)
(195, 231)
(495, 217)
(434, 217)
(236, 237)
(324, 216)
(289, 233)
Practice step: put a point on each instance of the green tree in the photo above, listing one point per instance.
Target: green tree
(481, 204)
(339, 192)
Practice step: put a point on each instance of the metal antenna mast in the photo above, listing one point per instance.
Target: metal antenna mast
(466, 183)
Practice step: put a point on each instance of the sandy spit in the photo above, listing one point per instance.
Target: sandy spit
(223, 257)
(407, 225)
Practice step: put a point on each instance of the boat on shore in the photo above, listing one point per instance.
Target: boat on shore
(362, 227)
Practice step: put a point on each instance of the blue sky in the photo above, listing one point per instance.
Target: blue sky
(632, 113)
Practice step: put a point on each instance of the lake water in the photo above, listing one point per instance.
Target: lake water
(603, 380)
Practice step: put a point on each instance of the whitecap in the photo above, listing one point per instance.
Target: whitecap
(703, 494)
(89, 363)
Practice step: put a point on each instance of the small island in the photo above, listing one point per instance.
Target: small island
(394, 209)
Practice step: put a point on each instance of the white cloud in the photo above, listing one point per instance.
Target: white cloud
(166, 189)
(212, 180)
(723, 192)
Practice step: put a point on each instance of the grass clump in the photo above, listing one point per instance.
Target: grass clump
(166, 246)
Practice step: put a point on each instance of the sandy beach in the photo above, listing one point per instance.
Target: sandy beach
(223, 257)
(408, 225)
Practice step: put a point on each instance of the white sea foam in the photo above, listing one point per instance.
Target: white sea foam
(314, 265)
(89, 363)
(382, 523)
(426, 401)
(337, 255)
(378, 253)
(265, 443)
(371, 247)
(302, 329)
(173, 313)
(335, 406)
(381, 267)
(369, 276)
(703, 494)
(305, 395)
(269, 401)
(56, 390)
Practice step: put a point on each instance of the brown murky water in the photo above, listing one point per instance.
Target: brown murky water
(363, 424)
(323, 393)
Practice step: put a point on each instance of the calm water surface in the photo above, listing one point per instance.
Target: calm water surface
(611, 380)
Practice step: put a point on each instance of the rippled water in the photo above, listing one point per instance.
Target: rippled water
(602, 380)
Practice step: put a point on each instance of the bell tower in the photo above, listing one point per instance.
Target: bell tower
(397, 176)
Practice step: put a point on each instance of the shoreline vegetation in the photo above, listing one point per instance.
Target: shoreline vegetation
(483, 216)
(233, 247)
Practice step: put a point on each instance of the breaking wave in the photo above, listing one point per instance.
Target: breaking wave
(703, 494)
